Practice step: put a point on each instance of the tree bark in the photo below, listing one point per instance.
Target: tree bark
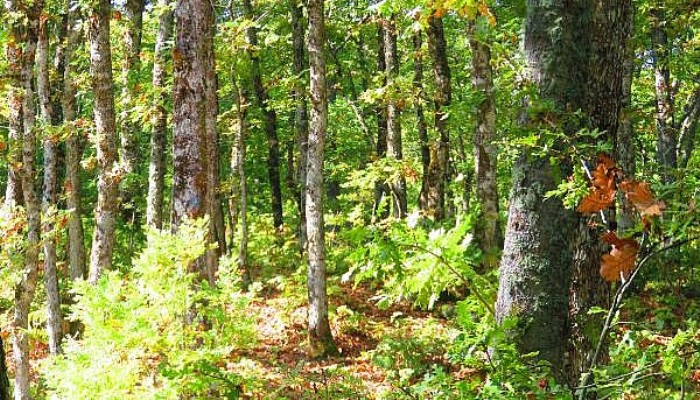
(157, 167)
(25, 288)
(76, 236)
(394, 145)
(13, 190)
(666, 132)
(440, 150)
(50, 192)
(320, 337)
(488, 230)
(131, 62)
(4, 380)
(238, 169)
(262, 101)
(379, 209)
(193, 193)
(301, 117)
(537, 255)
(418, 100)
(105, 138)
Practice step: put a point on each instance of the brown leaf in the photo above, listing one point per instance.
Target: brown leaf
(639, 194)
(620, 260)
(597, 200)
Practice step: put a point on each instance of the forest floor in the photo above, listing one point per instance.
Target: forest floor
(363, 333)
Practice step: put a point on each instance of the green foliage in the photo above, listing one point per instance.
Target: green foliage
(156, 332)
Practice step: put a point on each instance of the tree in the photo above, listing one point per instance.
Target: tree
(105, 140)
(156, 168)
(194, 146)
(320, 337)
(535, 265)
(262, 100)
(488, 230)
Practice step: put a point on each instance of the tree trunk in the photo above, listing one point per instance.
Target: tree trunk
(379, 209)
(106, 140)
(24, 289)
(50, 192)
(488, 232)
(238, 170)
(13, 191)
(4, 380)
(418, 100)
(156, 168)
(131, 63)
(624, 142)
(610, 33)
(262, 100)
(440, 151)
(688, 129)
(301, 118)
(193, 194)
(666, 132)
(394, 145)
(320, 337)
(537, 255)
(76, 236)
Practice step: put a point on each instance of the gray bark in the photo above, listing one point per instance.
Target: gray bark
(380, 189)
(418, 100)
(301, 117)
(76, 235)
(105, 138)
(394, 144)
(25, 288)
(488, 233)
(50, 193)
(13, 191)
(238, 155)
(156, 168)
(440, 150)
(537, 255)
(320, 338)
(666, 130)
(193, 193)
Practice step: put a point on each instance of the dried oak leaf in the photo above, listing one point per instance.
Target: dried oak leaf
(621, 259)
(597, 200)
(639, 194)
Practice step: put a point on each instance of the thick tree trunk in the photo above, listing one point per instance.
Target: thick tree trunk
(418, 101)
(537, 255)
(394, 144)
(666, 132)
(50, 193)
(380, 207)
(440, 150)
(320, 337)
(301, 117)
(131, 62)
(193, 193)
(610, 33)
(156, 168)
(76, 236)
(488, 232)
(262, 100)
(24, 289)
(106, 140)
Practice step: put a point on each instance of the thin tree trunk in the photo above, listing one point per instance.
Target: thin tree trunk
(301, 117)
(379, 209)
(131, 62)
(238, 169)
(418, 99)
(106, 140)
(13, 191)
(50, 192)
(4, 380)
(440, 151)
(156, 168)
(537, 256)
(488, 233)
(666, 132)
(262, 100)
(25, 288)
(193, 193)
(76, 236)
(394, 145)
(624, 142)
(320, 337)
(688, 129)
